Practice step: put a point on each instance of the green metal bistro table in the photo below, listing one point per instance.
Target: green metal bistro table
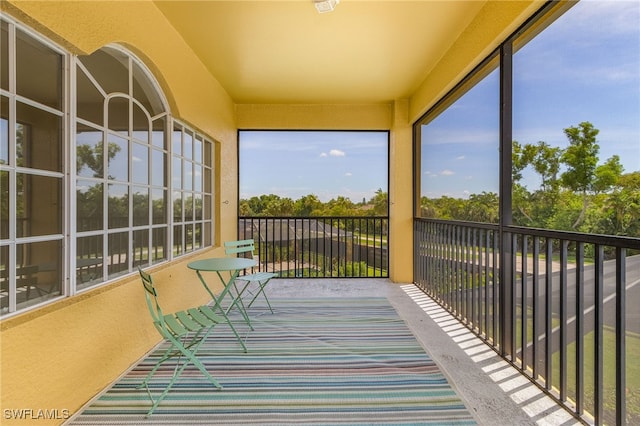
(232, 265)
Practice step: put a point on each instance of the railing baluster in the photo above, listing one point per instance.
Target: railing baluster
(496, 289)
(564, 322)
(473, 278)
(487, 243)
(548, 347)
(513, 302)
(524, 334)
(534, 306)
(580, 328)
(599, 337)
(621, 330)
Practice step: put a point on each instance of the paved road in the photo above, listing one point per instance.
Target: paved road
(632, 294)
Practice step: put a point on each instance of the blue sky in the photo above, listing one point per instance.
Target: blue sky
(328, 164)
(583, 67)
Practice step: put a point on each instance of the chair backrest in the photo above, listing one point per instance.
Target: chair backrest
(241, 248)
(27, 276)
(151, 295)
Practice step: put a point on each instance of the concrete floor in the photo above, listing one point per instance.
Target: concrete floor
(492, 390)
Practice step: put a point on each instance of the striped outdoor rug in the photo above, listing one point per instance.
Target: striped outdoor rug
(322, 361)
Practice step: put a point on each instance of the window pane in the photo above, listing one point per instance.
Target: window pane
(4, 56)
(38, 71)
(207, 234)
(198, 207)
(140, 206)
(177, 240)
(157, 137)
(208, 156)
(177, 173)
(159, 205)
(118, 248)
(177, 140)
(89, 261)
(188, 207)
(197, 235)
(109, 68)
(158, 168)
(89, 100)
(577, 85)
(177, 206)
(118, 115)
(207, 207)
(159, 244)
(89, 152)
(4, 130)
(4, 205)
(197, 174)
(460, 157)
(4, 279)
(118, 167)
(118, 214)
(38, 205)
(140, 247)
(38, 138)
(140, 166)
(89, 200)
(197, 150)
(188, 175)
(141, 124)
(188, 145)
(145, 92)
(207, 180)
(188, 238)
(38, 272)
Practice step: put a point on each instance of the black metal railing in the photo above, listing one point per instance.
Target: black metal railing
(562, 307)
(318, 247)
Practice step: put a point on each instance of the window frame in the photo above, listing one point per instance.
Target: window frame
(69, 284)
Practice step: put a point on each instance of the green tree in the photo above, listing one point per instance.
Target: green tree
(546, 162)
(380, 202)
(482, 208)
(93, 157)
(341, 206)
(281, 207)
(581, 159)
(307, 205)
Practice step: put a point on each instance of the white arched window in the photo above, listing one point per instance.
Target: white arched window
(128, 211)
(140, 191)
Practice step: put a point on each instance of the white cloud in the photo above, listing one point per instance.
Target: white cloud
(337, 153)
(447, 173)
(348, 174)
(460, 157)
(323, 154)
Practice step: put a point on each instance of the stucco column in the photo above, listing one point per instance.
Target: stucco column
(401, 195)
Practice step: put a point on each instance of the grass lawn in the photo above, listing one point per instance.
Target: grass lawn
(609, 392)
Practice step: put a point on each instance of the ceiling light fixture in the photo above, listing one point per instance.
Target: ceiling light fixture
(324, 6)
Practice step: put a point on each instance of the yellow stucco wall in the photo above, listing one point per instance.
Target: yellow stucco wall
(58, 357)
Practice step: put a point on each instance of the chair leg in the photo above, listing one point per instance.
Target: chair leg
(264, 294)
(179, 349)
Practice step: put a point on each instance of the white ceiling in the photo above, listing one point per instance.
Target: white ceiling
(284, 51)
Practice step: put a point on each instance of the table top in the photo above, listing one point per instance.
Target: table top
(222, 264)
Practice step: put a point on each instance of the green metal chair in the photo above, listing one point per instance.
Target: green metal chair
(245, 248)
(185, 331)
